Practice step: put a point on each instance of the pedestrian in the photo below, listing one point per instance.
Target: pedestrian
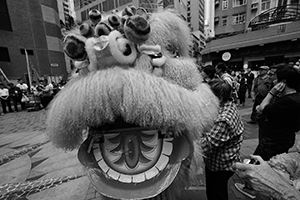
(14, 95)
(242, 89)
(208, 73)
(277, 134)
(23, 91)
(33, 88)
(283, 115)
(47, 93)
(261, 86)
(5, 99)
(249, 78)
(221, 145)
(221, 71)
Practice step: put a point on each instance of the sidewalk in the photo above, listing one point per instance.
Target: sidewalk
(38, 171)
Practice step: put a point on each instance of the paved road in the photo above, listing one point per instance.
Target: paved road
(39, 171)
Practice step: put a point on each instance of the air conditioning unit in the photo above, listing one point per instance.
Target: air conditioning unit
(217, 2)
(217, 19)
(254, 6)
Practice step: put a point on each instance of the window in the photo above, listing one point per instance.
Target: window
(29, 52)
(94, 7)
(239, 18)
(122, 2)
(224, 21)
(111, 4)
(265, 4)
(108, 5)
(4, 16)
(4, 55)
(239, 3)
(84, 16)
(104, 6)
(224, 4)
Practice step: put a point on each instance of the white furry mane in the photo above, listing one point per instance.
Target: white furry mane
(139, 98)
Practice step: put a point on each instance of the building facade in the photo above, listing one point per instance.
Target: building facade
(31, 25)
(254, 33)
(66, 10)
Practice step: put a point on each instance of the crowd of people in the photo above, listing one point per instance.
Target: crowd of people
(15, 97)
(276, 110)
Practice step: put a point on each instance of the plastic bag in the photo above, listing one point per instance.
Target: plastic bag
(24, 98)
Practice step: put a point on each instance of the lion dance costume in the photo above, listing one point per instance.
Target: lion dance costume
(137, 107)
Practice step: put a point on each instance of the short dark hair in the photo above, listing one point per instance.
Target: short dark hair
(222, 67)
(289, 75)
(209, 70)
(221, 89)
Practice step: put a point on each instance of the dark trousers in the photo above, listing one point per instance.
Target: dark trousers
(4, 103)
(45, 100)
(15, 102)
(249, 89)
(267, 148)
(23, 106)
(257, 101)
(242, 97)
(217, 184)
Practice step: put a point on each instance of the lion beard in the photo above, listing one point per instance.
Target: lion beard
(139, 98)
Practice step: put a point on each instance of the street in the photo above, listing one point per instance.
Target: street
(31, 168)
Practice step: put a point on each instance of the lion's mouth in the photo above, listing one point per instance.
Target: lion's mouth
(132, 157)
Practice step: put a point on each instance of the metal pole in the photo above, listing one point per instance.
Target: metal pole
(28, 70)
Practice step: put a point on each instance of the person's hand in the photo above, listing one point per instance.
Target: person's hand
(258, 109)
(297, 67)
(263, 178)
(277, 89)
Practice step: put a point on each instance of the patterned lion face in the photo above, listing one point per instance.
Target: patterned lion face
(138, 102)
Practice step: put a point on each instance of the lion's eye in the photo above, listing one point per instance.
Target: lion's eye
(114, 20)
(95, 16)
(75, 48)
(102, 29)
(86, 30)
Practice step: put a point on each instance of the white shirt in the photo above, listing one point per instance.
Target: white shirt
(23, 86)
(4, 92)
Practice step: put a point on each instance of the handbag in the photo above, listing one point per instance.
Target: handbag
(24, 98)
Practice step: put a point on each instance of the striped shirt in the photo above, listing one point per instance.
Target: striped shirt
(221, 145)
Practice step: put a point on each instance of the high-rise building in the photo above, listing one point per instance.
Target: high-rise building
(191, 10)
(65, 10)
(30, 26)
(82, 7)
(209, 14)
(250, 33)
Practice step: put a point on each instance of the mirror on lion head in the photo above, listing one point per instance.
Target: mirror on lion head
(141, 100)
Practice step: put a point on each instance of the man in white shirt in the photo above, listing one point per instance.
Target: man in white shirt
(23, 86)
(4, 97)
(24, 89)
